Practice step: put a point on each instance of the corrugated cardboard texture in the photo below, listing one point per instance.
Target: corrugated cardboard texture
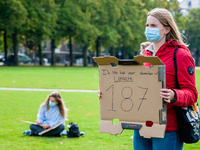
(131, 94)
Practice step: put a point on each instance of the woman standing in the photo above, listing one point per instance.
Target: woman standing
(163, 32)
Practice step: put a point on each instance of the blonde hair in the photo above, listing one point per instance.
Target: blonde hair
(167, 20)
(60, 103)
(144, 44)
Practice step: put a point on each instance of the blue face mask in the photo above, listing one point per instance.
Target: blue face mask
(52, 104)
(152, 34)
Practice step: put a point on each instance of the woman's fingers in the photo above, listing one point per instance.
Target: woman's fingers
(167, 94)
(99, 94)
(37, 122)
(167, 100)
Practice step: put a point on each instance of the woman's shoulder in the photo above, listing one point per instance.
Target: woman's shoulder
(184, 57)
(43, 105)
(183, 52)
(182, 49)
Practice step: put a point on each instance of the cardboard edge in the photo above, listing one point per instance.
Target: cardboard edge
(138, 60)
(156, 130)
(163, 111)
(162, 75)
(106, 60)
(153, 60)
(106, 126)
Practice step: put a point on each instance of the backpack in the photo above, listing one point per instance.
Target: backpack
(73, 130)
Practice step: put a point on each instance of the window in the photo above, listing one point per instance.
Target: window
(189, 4)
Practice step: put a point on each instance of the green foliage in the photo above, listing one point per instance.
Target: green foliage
(171, 5)
(70, 17)
(40, 22)
(105, 17)
(113, 24)
(13, 14)
(1, 42)
(86, 31)
(193, 28)
(180, 21)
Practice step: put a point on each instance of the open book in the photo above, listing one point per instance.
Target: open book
(49, 129)
(31, 122)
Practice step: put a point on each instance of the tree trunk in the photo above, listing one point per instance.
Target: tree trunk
(85, 62)
(113, 51)
(70, 50)
(97, 47)
(35, 54)
(5, 45)
(15, 47)
(52, 52)
(40, 53)
(197, 57)
(123, 52)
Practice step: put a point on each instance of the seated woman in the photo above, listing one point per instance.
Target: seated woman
(51, 113)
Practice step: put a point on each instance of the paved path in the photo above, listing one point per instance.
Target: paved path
(34, 89)
(59, 90)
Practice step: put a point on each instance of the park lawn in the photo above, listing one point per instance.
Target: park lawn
(50, 77)
(83, 109)
(197, 76)
(85, 78)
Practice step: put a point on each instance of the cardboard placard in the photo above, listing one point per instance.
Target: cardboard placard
(131, 94)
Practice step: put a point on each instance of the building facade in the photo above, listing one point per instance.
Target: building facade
(187, 5)
(62, 53)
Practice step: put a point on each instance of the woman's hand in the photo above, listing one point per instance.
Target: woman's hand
(167, 94)
(45, 126)
(99, 94)
(38, 123)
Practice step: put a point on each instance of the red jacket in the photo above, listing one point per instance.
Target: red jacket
(187, 94)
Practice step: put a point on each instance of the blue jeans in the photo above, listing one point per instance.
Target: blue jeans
(169, 142)
(35, 130)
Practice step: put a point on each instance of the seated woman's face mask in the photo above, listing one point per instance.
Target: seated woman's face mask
(152, 34)
(52, 104)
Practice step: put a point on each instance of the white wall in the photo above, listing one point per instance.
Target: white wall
(185, 7)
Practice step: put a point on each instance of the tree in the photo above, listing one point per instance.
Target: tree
(104, 16)
(192, 31)
(101, 24)
(68, 21)
(129, 25)
(12, 16)
(86, 32)
(39, 24)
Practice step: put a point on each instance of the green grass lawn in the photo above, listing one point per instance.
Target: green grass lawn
(50, 77)
(83, 109)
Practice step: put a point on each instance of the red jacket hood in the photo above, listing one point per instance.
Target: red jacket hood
(173, 44)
